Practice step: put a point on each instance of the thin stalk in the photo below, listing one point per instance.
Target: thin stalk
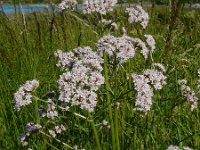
(36, 112)
(117, 129)
(108, 99)
(62, 108)
(66, 145)
(116, 122)
(95, 132)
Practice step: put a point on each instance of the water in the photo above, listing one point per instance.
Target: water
(8, 9)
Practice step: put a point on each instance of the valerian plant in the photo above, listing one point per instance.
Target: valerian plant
(92, 81)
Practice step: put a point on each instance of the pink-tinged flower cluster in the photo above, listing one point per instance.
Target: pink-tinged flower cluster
(138, 15)
(172, 147)
(99, 6)
(189, 94)
(105, 124)
(123, 47)
(23, 96)
(57, 130)
(144, 93)
(157, 78)
(51, 109)
(78, 85)
(150, 42)
(159, 66)
(30, 129)
(66, 4)
(144, 85)
(198, 86)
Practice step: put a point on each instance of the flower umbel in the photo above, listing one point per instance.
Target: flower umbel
(66, 4)
(172, 147)
(138, 15)
(123, 47)
(144, 85)
(23, 96)
(78, 85)
(99, 6)
(188, 93)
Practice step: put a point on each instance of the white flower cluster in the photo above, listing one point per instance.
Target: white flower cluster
(151, 42)
(30, 129)
(50, 112)
(198, 86)
(159, 66)
(172, 147)
(141, 45)
(23, 96)
(157, 79)
(105, 124)
(188, 93)
(145, 90)
(57, 130)
(138, 15)
(51, 109)
(106, 22)
(99, 6)
(66, 4)
(78, 85)
(75, 147)
(123, 47)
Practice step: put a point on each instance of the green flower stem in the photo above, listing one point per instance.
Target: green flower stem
(62, 108)
(108, 99)
(117, 129)
(95, 132)
(36, 111)
(116, 109)
(66, 145)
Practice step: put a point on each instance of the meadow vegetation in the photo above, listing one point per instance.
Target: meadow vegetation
(27, 46)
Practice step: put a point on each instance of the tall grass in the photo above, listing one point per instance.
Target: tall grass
(27, 45)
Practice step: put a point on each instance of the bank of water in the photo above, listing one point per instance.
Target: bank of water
(9, 9)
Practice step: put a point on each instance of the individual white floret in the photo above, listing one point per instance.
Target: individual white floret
(187, 148)
(58, 129)
(138, 15)
(23, 96)
(124, 30)
(198, 72)
(62, 127)
(198, 84)
(106, 22)
(52, 133)
(114, 25)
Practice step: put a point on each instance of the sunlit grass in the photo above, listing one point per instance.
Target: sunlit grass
(27, 46)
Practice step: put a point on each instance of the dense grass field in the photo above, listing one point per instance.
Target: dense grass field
(27, 46)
